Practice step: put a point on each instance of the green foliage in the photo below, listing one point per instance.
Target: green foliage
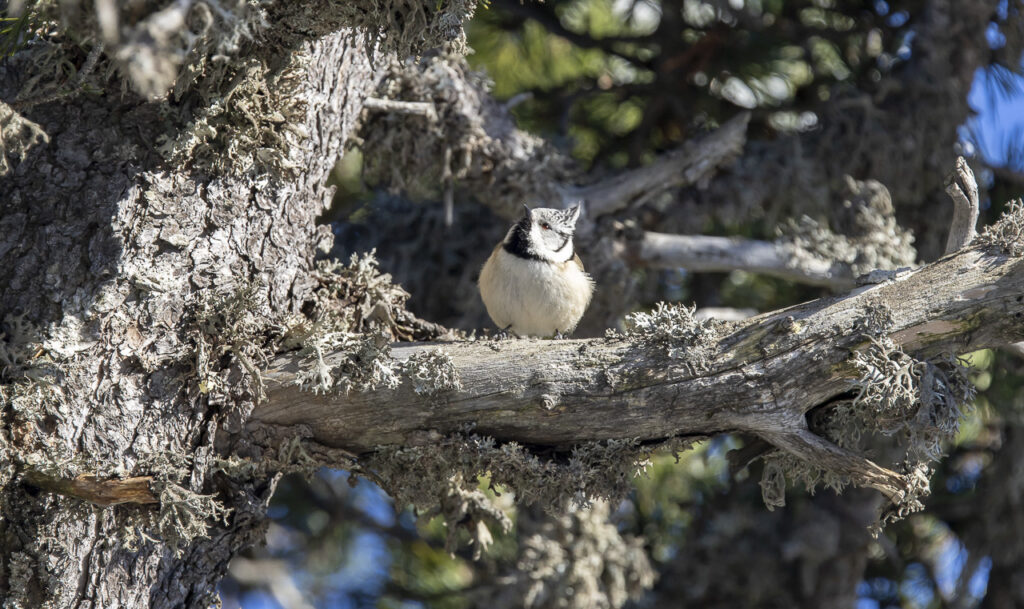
(662, 506)
(602, 76)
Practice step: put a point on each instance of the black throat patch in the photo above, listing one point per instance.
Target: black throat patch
(518, 243)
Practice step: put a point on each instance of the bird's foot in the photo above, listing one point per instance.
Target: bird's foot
(504, 333)
(559, 336)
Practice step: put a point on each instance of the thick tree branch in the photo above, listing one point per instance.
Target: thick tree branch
(758, 376)
(704, 254)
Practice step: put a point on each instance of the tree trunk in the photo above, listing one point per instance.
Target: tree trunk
(134, 249)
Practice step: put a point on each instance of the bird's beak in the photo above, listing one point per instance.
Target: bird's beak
(528, 212)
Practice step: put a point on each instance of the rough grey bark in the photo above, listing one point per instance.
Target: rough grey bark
(138, 252)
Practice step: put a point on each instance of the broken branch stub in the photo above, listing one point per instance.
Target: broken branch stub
(95, 490)
(963, 189)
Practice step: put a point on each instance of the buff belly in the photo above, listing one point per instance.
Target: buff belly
(533, 297)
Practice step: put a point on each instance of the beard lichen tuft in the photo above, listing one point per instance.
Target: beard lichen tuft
(675, 331)
(1008, 233)
(185, 515)
(780, 468)
(919, 401)
(432, 372)
(357, 311)
(865, 235)
(229, 322)
(916, 477)
(418, 475)
(471, 509)
(578, 560)
(907, 408)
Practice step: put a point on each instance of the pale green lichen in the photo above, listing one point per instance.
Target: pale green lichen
(916, 477)
(21, 344)
(579, 560)
(358, 312)
(21, 573)
(876, 319)
(461, 505)
(674, 330)
(357, 297)
(185, 516)
(31, 375)
(780, 468)
(359, 362)
(229, 322)
(160, 51)
(1008, 233)
(286, 457)
(918, 402)
(432, 372)
(416, 475)
(153, 47)
(18, 135)
(896, 394)
(866, 236)
(251, 127)
(410, 27)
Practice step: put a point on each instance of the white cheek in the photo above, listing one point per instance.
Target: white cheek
(536, 235)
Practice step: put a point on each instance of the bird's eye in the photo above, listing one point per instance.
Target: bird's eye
(544, 225)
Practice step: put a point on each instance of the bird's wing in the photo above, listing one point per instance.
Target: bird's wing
(578, 262)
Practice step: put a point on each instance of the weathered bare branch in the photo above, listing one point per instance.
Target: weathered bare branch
(963, 189)
(694, 161)
(704, 253)
(758, 376)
